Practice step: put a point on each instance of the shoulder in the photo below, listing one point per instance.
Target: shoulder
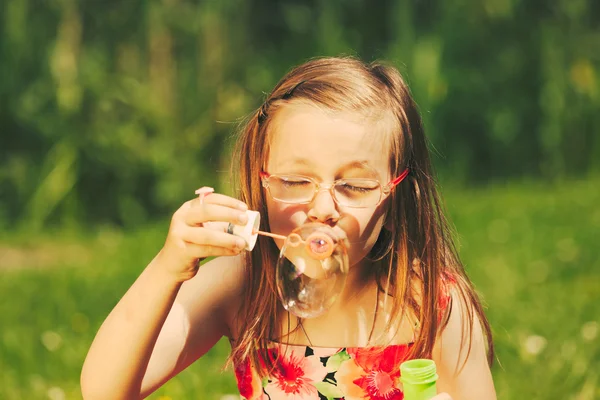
(460, 350)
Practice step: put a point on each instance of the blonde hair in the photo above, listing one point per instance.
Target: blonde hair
(419, 233)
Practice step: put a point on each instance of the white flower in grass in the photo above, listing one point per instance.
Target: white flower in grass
(534, 344)
(589, 331)
(37, 383)
(51, 340)
(56, 393)
(567, 249)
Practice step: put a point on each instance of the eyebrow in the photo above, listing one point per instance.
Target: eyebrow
(356, 164)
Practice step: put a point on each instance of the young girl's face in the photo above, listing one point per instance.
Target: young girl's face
(327, 146)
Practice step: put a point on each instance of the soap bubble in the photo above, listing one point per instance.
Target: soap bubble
(311, 270)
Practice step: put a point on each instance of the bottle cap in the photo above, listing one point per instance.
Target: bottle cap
(248, 231)
(418, 371)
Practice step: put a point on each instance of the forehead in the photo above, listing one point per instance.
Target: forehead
(306, 136)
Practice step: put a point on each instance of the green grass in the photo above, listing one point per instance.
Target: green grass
(532, 251)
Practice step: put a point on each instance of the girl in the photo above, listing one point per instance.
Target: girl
(330, 126)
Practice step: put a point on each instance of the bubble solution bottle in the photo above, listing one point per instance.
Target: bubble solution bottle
(418, 379)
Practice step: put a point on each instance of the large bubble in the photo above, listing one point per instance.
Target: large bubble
(311, 270)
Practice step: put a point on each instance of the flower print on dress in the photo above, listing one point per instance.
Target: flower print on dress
(325, 352)
(249, 383)
(372, 373)
(295, 374)
(447, 284)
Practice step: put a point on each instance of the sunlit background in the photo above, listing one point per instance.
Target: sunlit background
(113, 112)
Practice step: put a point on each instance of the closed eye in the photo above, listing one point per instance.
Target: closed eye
(295, 183)
(357, 186)
(357, 189)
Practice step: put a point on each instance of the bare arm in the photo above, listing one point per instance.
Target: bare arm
(117, 359)
(199, 318)
(133, 353)
(463, 374)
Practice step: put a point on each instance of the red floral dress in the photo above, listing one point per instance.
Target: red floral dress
(304, 372)
(350, 373)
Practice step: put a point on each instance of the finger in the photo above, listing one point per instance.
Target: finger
(214, 212)
(203, 192)
(442, 396)
(217, 198)
(201, 251)
(209, 237)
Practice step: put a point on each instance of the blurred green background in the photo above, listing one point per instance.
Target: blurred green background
(113, 112)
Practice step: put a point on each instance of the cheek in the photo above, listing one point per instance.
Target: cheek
(371, 233)
(363, 230)
(284, 218)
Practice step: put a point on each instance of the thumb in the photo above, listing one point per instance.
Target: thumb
(442, 396)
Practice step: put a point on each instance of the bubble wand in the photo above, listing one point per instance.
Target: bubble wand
(318, 245)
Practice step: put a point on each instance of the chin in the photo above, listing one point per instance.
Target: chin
(355, 259)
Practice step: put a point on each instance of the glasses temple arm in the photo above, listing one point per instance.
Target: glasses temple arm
(399, 179)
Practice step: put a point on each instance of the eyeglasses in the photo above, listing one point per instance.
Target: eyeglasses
(351, 192)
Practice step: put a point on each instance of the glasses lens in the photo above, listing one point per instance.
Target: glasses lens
(358, 192)
(291, 189)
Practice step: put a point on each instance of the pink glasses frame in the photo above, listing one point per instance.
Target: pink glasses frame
(386, 190)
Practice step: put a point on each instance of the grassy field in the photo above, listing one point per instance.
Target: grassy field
(532, 251)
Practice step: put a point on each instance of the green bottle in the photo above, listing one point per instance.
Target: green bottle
(418, 379)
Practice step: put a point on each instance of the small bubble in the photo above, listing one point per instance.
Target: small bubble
(56, 393)
(318, 246)
(534, 344)
(589, 331)
(499, 231)
(51, 340)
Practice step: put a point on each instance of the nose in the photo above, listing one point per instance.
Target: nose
(323, 208)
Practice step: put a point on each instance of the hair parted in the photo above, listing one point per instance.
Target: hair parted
(417, 247)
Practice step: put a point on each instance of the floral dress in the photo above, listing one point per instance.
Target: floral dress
(349, 373)
(304, 372)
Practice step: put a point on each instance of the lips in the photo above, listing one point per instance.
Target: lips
(341, 235)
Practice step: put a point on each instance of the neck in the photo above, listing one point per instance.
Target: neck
(360, 279)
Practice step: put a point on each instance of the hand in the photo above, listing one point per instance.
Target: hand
(442, 396)
(197, 231)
